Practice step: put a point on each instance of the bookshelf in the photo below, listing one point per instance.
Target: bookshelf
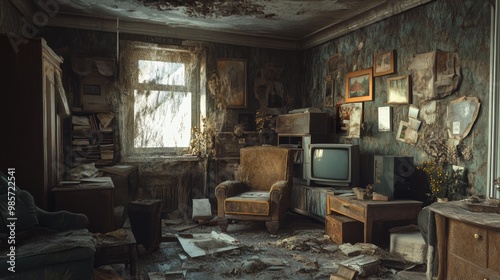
(92, 138)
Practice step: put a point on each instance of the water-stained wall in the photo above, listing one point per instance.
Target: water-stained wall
(460, 26)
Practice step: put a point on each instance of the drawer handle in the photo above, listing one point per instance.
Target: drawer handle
(477, 236)
(345, 206)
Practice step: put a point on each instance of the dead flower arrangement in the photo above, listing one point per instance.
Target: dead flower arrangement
(444, 182)
(202, 142)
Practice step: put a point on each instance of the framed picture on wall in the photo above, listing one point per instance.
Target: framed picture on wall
(383, 63)
(359, 86)
(93, 92)
(351, 115)
(384, 118)
(398, 90)
(233, 81)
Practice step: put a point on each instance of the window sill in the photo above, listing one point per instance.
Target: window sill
(141, 159)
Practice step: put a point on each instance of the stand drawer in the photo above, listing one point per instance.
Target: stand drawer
(342, 229)
(347, 208)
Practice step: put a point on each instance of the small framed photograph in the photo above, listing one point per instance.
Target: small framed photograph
(233, 80)
(351, 115)
(385, 118)
(93, 92)
(406, 133)
(359, 86)
(413, 111)
(383, 63)
(398, 90)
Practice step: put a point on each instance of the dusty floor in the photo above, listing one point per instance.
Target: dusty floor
(300, 250)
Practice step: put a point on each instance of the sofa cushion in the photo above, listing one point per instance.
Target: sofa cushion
(24, 209)
(40, 247)
(4, 184)
(248, 203)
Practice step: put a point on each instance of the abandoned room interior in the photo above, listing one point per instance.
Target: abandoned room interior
(254, 139)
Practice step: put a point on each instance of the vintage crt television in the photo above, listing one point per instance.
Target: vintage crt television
(393, 176)
(333, 165)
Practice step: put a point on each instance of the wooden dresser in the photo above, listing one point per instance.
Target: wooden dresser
(468, 243)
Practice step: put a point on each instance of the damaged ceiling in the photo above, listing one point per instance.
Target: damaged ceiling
(286, 24)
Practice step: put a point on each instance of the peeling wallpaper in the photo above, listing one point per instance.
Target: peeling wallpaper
(461, 26)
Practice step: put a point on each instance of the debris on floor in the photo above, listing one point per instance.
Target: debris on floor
(365, 265)
(300, 250)
(351, 250)
(197, 245)
(344, 273)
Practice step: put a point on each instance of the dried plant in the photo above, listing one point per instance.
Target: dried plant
(263, 122)
(203, 140)
(443, 181)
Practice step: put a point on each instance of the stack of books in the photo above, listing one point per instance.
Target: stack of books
(92, 138)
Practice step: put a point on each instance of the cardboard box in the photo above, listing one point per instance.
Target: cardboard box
(342, 229)
(303, 123)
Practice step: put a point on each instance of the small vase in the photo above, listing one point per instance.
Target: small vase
(442, 199)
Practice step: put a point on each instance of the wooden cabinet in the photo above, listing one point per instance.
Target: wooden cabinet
(303, 123)
(467, 242)
(310, 201)
(95, 198)
(297, 132)
(34, 105)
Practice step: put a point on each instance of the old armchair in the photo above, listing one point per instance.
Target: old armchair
(262, 190)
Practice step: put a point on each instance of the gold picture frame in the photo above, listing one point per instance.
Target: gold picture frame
(398, 90)
(359, 86)
(383, 63)
(233, 82)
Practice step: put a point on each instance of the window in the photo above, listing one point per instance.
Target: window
(161, 102)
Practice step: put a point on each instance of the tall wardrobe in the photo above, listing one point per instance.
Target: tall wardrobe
(32, 108)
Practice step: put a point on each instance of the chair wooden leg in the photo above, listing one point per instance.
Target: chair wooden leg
(273, 226)
(223, 223)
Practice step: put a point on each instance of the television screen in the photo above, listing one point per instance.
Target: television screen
(323, 160)
(333, 164)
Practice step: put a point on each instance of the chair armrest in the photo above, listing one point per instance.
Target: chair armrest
(227, 189)
(61, 220)
(230, 188)
(278, 190)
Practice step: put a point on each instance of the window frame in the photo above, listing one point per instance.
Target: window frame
(130, 81)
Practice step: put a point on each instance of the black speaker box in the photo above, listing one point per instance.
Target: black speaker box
(393, 176)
